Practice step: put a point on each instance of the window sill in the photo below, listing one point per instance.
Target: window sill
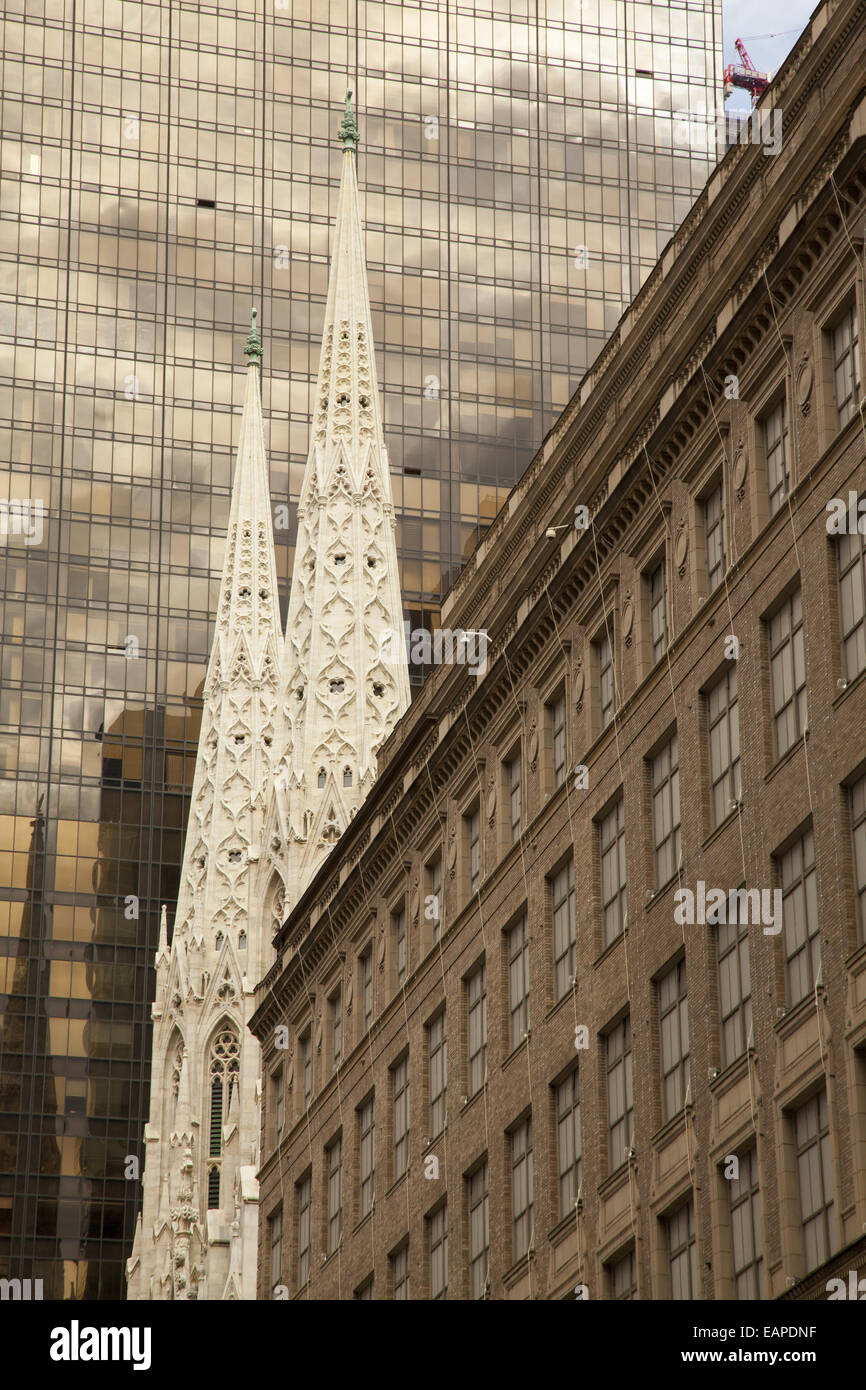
(518, 1269)
(671, 1128)
(857, 959)
(718, 830)
(787, 757)
(615, 1180)
(364, 1220)
(793, 1017)
(735, 1071)
(853, 684)
(521, 1046)
(659, 893)
(610, 948)
(470, 1100)
(404, 1177)
(565, 1224)
(560, 1003)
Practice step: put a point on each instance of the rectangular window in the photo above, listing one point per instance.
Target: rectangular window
(800, 924)
(788, 673)
(334, 1154)
(367, 1155)
(735, 988)
(620, 1093)
(437, 1053)
(858, 829)
(564, 929)
(556, 724)
(658, 608)
(682, 1253)
(606, 685)
(304, 1192)
(517, 941)
(433, 904)
(815, 1174)
(472, 831)
(666, 811)
(713, 508)
(398, 936)
(365, 1291)
(367, 987)
(307, 1067)
(746, 1235)
(568, 1146)
(846, 366)
(437, 1231)
(522, 1189)
(479, 1232)
(623, 1278)
(774, 428)
(400, 1081)
(275, 1230)
(674, 1029)
(279, 1099)
(335, 1004)
(513, 786)
(476, 989)
(611, 831)
(723, 719)
(851, 560)
(400, 1274)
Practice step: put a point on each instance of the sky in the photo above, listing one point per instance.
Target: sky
(768, 30)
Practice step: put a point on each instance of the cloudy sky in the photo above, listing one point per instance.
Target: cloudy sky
(768, 30)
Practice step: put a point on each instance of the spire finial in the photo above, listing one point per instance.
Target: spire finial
(253, 348)
(348, 132)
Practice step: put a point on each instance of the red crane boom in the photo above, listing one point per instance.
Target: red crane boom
(745, 75)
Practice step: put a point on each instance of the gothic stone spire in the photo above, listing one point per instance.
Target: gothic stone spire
(345, 678)
(204, 1057)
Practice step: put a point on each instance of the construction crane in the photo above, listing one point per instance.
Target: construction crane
(745, 75)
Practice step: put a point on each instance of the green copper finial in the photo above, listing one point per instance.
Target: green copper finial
(348, 132)
(253, 348)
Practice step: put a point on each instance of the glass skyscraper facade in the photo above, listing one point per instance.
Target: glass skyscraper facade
(162, 168)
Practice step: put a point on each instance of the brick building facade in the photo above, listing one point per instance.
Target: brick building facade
(501, 1054)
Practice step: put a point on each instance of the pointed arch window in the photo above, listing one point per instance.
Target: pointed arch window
(176, 1069)
(223, 1071)
(321, 780)
(219, 940)
(242, 941)
(347, 777)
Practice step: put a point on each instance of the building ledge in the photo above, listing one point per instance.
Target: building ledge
(793, 1017)
(735, 1071)
(615, 1180)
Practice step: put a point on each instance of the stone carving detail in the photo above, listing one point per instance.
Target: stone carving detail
(579, 684)
(533, 746)
(804, 384)
(739, 470)
(452, 850)
(627, 619)
(491, 799)
(681, 547)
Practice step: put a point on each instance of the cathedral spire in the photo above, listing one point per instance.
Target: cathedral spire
(240, 718)
(345, 677)
(204, 1057)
